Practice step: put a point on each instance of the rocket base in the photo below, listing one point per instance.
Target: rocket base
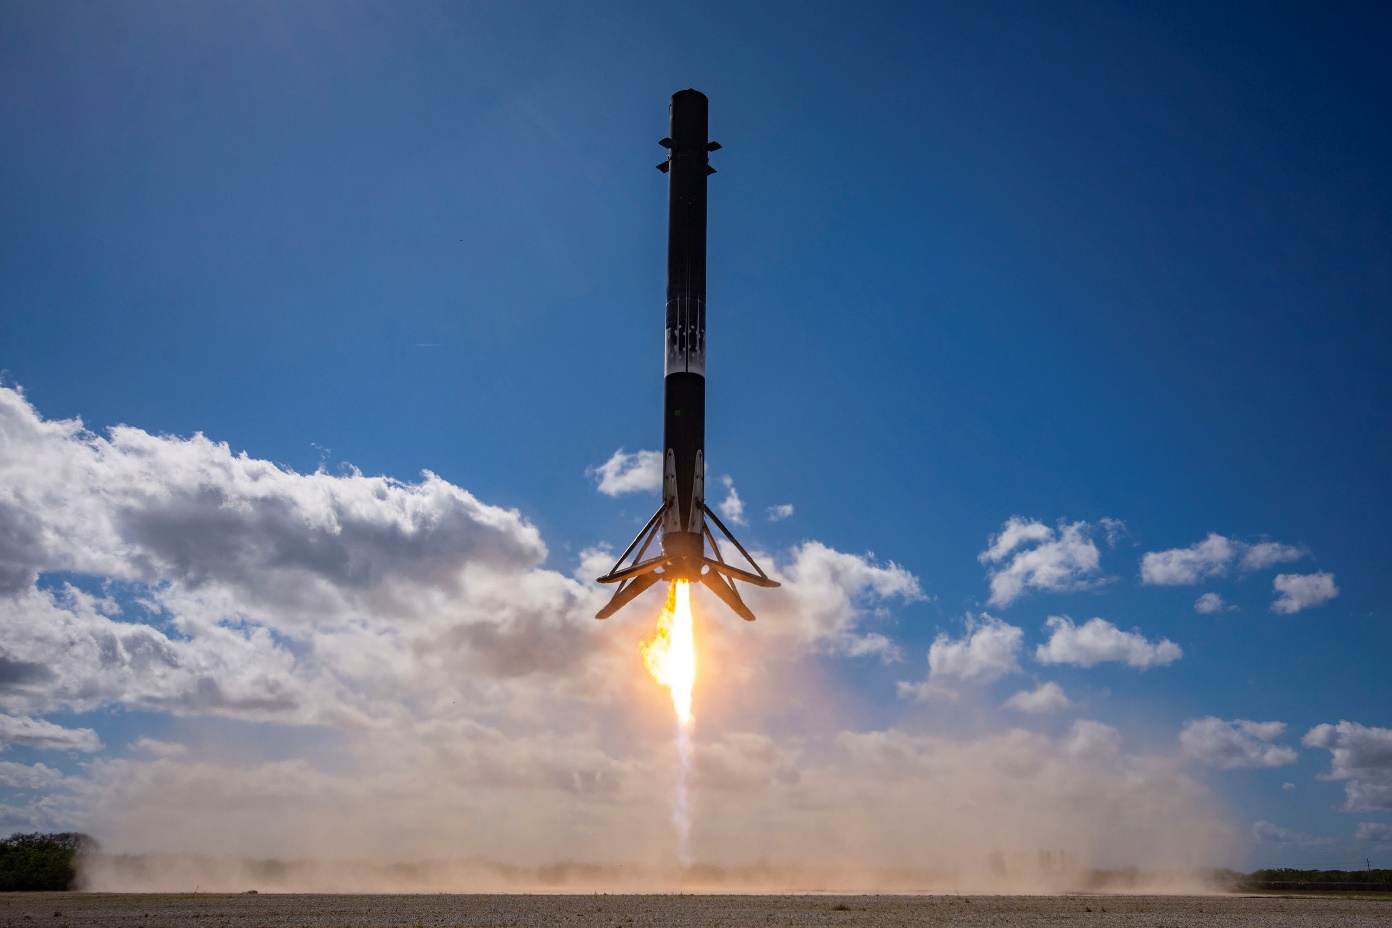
(684, 558)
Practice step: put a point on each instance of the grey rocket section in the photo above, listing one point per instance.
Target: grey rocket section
(681, 522)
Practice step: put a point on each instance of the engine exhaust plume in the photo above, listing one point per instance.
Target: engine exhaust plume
(671, 654)
(671, 659)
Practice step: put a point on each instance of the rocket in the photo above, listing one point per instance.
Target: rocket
(682, 524)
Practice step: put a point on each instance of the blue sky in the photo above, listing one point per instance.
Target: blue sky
(1118, 273)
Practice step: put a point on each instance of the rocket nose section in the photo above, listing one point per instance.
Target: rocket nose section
(691, 95)
(690, 112)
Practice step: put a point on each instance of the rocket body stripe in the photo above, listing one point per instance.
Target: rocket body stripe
(684, 366)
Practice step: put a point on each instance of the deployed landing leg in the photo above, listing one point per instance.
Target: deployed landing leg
(717, 574)
(638, 576)
(719, 577)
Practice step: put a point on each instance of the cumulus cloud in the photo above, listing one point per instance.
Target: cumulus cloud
(1029, 555)
(1097, 641)
(28, 817)
(28, 776)
(237, 587)
(1182, 566)
(828, 596)
(1361, 757)
(1094, 740)
(1235, 744)
(1268, 554)
(157, 748)
(1017, 531)
(147, 508)
(731, 507)
(1302, 591)
(984, 654)
(1373, 831)
(1112, 529)
(780, 512)
(1267, 833)
(45, 735)
(94, 660)
(1211, 604)
(638, 472)
(1047, 697)
(1212, 557)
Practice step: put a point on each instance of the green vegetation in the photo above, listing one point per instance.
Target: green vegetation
(1288, 875)
(1288, 878)
(41, 862)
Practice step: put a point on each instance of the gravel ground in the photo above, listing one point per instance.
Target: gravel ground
(111, 910)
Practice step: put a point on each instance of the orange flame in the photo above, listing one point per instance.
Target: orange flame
(671, 654)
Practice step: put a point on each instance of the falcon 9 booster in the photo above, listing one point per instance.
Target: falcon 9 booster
(682, 522)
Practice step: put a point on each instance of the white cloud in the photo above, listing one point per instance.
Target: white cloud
(45, 735)
(828, 596)
(926, 691)
(1301, 591)
(1267, 833)
(1211, 604)
(1033, 556)
(1212, 557)
(1235, 744)
(150, 509)
(639, 472)
(31, 816)
(240, 588)
(1182, 566)
(28, 776)
(92, 660)
(780, 512)
(1268, 554)
(1098, 640)
(1362, 757)
(731, 507)
(1047, 697)
(1093, 740)
(157, 748)
(1373, 831)
(984, 654)
(1017, 531)
(1287, 786)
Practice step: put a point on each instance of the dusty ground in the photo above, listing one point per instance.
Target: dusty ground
(111, 910)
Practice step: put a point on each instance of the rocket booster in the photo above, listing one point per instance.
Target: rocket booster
(681, 520)
(684, 371)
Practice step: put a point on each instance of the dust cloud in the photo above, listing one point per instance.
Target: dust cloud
(791, 792)
(167, 873)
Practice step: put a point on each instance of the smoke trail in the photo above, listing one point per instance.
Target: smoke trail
(681, 811)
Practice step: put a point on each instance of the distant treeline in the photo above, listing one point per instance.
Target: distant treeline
(1287, 875)
(41, 861)
(1308, 880)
